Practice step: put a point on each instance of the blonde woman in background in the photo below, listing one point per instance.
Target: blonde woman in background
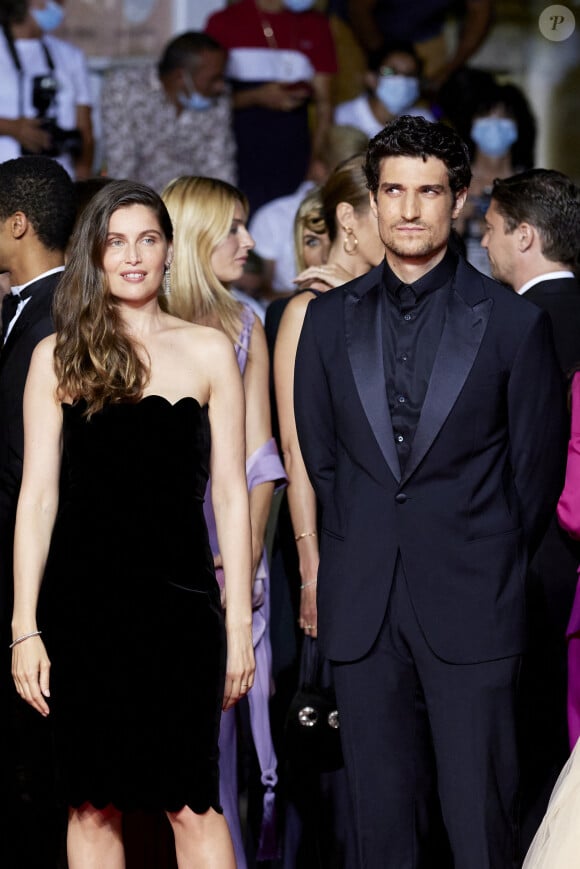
(211, 245)
(311, 240)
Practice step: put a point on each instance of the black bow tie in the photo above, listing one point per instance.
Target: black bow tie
(10, 303)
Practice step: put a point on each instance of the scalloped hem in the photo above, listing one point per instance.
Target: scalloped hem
(198, 807)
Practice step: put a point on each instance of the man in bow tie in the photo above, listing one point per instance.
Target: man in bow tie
(37, 211)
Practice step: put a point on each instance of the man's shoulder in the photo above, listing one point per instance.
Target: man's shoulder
(65, 49)
(554, 287)
(282, 208)
(229, 17)
(482, 287)
(138, 77)
(356, 289)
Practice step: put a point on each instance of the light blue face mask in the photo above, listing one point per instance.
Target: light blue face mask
(195, 101)
(298, 5)
(397, 92)
(494, 136)
(50, 17)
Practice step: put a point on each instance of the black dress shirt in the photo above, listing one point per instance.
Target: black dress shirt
(413, 317)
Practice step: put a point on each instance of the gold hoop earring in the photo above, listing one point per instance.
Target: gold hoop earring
(350, 235)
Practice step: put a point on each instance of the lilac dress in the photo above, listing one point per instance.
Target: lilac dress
(262, 466)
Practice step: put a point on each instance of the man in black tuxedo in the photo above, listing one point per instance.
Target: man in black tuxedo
(532, 242)
(531, 237)
(37, 211)
(431, 414)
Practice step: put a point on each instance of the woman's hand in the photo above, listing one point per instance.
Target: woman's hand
(30, 671)
(240, 665)
(329, 275)
(308, 620)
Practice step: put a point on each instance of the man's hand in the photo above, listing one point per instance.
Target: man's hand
(29, 132)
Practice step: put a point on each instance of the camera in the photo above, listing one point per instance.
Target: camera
(44, 90)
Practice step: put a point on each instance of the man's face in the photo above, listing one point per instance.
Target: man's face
(414, 206)
(500, 245)
(208, 74)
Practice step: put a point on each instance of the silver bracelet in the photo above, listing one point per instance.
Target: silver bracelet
(306, 584)
(24, 637)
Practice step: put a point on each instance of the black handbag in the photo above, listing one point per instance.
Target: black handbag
(312, 723)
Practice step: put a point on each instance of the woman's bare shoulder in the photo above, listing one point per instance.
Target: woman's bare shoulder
(45, 347)
(199, 340)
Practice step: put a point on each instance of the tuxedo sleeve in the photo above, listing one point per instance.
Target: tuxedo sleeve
(313, 410)
(538, 427)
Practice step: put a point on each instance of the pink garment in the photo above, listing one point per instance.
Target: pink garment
(568, 512)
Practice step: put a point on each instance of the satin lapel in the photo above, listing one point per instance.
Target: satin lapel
(37, 307)
(365, 350)
(462, 336)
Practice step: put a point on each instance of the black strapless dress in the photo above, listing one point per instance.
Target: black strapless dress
(130, 610)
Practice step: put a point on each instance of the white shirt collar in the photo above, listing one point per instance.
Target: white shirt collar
(19, 289)
(549, 276)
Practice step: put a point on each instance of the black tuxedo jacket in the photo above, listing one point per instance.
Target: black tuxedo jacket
(33, 324)
(482, 480)
(560, 297)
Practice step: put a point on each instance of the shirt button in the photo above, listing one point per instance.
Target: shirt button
(400, 498)
(399, 439)
(401, 399)
(407, 317)
(404, 357)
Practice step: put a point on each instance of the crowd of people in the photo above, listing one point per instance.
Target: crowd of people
(288, 378)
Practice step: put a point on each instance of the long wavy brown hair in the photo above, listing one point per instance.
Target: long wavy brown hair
(94, 358)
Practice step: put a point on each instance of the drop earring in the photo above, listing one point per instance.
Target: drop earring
(350, 236)
(166, 287)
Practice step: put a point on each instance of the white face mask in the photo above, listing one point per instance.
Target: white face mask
(195, 101)
(494, 136)
(298, 5)
(397, 92)
(50, 17)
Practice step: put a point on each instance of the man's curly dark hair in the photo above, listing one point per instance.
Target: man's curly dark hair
(409, 136)
(42, 190)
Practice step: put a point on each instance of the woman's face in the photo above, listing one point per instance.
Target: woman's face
(315, 247)
(230, 255)
(136, 253)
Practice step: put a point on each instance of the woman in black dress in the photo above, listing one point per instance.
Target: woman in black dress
(127, 410)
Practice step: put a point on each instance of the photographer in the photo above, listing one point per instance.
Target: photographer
(45, 102)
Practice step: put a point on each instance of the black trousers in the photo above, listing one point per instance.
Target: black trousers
(415, 727)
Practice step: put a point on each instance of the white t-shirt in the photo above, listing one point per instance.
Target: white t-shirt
(357, 113)
(70, 70)
(272, 228)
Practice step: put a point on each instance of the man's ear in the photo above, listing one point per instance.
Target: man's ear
(459, 203)
(373, 203)
(525, 234)
(18, 224)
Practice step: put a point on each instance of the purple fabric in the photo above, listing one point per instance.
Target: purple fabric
(569, 518)
(262, 466)
(569, 502)
(573, 699)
